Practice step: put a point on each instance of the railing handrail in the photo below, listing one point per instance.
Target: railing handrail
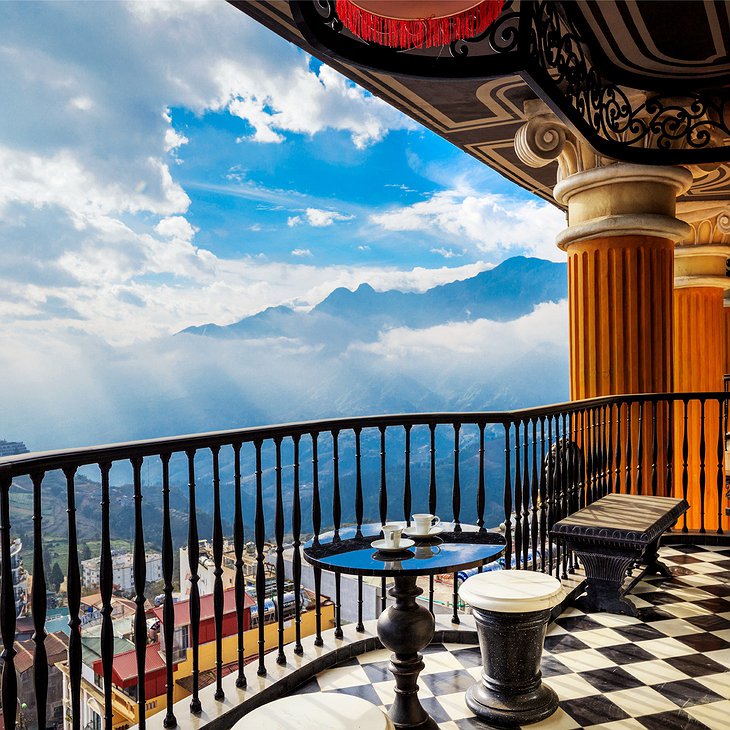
(39, 461)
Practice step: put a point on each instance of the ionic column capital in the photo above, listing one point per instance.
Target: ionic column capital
(543, 139)
(702, 257)
(604, 198)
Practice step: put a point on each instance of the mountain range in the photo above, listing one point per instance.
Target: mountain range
(508, 291)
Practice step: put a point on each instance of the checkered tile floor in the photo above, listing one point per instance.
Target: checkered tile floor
(667, 670)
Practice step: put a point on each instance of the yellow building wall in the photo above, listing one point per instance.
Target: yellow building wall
(125, 709)
(207, 657)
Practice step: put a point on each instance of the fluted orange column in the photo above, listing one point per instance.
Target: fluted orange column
(700, 358)
(620, 299)
(620, 244)
(699, 364)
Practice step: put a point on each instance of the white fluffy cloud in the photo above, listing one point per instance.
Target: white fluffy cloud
(489, 223)
(94, 226)
(318, 218)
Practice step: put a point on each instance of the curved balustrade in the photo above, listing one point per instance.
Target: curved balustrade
(278, 486)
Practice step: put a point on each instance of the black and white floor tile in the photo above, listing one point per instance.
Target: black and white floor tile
(667, 670)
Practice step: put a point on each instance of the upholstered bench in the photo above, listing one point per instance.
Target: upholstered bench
(317, 711)
(511, 609)
(610, 536)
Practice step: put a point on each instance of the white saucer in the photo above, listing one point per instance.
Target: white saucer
(431, 533)
(383, 548)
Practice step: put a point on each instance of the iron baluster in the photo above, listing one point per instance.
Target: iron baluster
(9, 689)
(481, 488)
(703, 475)
(259, 536)
(217, 574)
(432, 472)
(526, 491)
(535, 496)
(685, 455)
(238, 539)
(360, 626)
(619, 449)
(407, 478)
(640, 452)
(336, 499)
(654, 450)
(194, 601)
(518, 498)
(296, 521)
(668, 489)
(106, 584)
(168, 610)
(720, 460)
(383, 495)
(279, 536)
(73, 588)
(629, 455)
(140, 578)
(359, 502)
(38, 605)
(316, 527)
(455, 599)
(456, 487)
(507, 496)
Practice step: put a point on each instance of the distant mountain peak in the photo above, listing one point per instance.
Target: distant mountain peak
(507, 291)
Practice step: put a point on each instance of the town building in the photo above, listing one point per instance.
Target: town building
(122, 571)
(12, 448)
(56, 645)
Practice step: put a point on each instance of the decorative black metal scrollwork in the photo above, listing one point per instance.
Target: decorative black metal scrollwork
(611, 112)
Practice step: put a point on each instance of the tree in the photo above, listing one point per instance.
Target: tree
(56, 577)
(85, 552)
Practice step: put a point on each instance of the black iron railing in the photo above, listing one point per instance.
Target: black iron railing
(287, 483)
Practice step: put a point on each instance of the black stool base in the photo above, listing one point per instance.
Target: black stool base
(498, 709)
(511, 691)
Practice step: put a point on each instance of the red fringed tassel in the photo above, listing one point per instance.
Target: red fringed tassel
(423, 33)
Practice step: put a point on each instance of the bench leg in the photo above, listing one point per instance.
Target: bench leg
(605, 575)
(654, 566)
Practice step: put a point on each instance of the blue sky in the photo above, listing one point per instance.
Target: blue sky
(168, 164)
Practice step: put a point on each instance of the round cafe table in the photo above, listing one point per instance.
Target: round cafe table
(406, 627)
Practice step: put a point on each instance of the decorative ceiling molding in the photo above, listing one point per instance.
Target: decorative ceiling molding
(540, 41)
(480, 108)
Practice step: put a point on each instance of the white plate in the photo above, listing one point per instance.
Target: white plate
(432, 533)
(380, 545)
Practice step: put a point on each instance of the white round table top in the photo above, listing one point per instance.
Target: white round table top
(315, 711)
(511, 591)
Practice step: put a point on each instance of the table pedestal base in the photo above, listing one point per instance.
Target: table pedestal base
(511, 692)
(405, 629)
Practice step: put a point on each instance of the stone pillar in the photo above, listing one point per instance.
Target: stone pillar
(622, 227)
(620, 244)
(700, 358)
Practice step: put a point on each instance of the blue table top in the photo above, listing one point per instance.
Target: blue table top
(450, 551)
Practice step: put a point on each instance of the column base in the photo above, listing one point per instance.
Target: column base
(511, 710)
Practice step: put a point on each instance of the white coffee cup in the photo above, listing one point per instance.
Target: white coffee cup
(423, 523)
(391, 535)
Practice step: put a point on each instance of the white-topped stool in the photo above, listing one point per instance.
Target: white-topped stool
(316, 711)
(512, 609)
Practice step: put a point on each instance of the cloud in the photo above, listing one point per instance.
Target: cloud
(323, 218)
(92, 216)
(489, 223)
(128, 392)
(294, 220)
(301, 252)
(447, 253)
